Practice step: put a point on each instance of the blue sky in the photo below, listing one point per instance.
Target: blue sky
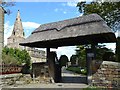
(35, 13)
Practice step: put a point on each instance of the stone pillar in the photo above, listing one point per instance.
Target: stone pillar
(1, 30)
(90, 56)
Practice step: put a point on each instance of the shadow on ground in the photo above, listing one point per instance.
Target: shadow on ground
(72, 79)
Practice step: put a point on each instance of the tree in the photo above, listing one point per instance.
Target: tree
(109, 11)
(63, 60)
(73, 60)
(15, 56)
(4, 4)
(101, 51)
(81, 55)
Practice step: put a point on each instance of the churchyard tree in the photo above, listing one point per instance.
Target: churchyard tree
(109, 11)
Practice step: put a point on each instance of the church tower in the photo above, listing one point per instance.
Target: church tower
(17, 33)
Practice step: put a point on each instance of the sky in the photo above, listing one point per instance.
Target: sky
(34, 14)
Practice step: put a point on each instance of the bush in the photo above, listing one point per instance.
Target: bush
(73, 59)
(8, 59)
(15, 56)
(63, 60)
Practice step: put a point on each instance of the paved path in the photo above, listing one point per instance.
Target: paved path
(70, 77)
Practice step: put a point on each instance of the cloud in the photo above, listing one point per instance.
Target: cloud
(7, 31)
(27, 26)
(65, 12)
(111, 46)
(72, 4)
(30, 25)
(56, 9)
(68, 51)
(60, 10)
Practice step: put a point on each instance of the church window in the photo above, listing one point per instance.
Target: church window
(23, 34)
(14, 33)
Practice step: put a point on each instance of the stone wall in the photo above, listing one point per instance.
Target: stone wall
(108, 75)
(38, 69)
(40, 72)
(1, 30)
(36, 55)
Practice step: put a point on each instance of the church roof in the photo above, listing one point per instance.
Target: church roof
(76, 31)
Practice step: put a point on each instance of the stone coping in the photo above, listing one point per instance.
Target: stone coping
(10, 75)
(111, 63)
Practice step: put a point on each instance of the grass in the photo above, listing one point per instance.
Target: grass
(77, 70)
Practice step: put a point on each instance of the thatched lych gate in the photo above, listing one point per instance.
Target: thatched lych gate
(89, 29)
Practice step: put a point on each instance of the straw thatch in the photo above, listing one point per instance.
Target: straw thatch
(76, 31)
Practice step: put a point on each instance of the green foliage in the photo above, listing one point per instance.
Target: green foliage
(100, 54)
(84, 71)
(81, 54)
(74, 69)
(109, 11)
(8, 59)
(73, 59)
(15, 56)
(109, 56)
(63, 60)
(94, 88)
(77, 70)
(101, 51)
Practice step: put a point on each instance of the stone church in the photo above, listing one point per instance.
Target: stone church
(18, 35)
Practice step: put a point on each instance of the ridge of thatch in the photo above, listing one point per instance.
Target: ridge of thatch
(76, 31)
(69, 22)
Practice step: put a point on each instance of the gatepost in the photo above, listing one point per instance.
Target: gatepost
(89, 57)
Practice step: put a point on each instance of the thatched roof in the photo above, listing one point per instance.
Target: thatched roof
(76, 31)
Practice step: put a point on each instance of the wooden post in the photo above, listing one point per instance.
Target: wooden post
(94, 50)
(48, 52)
(49, 63)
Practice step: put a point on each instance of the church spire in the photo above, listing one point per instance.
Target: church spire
(18, 16)
(18, 28)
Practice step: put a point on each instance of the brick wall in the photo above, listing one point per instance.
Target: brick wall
(108, 75)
